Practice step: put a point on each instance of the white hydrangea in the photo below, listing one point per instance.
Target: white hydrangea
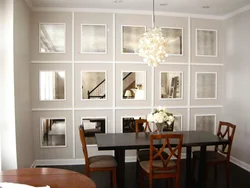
(160, 116)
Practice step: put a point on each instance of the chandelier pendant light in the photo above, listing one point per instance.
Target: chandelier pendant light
(153, 45)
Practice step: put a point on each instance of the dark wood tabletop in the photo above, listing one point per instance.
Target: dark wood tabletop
(128, 141)
(112, 141)
(55, 178)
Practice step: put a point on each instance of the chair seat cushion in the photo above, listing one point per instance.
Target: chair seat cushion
(157, 163)
(143, 155)
(211, 156)
(102, 161)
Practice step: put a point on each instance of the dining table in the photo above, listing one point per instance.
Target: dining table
(46, 177)
(119, 142)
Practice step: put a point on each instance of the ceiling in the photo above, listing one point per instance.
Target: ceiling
(217, 7)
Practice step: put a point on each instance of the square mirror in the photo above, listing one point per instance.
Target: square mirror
(94, 39)
(130, 38)
(128, 124)
(205, 122)
(52, 38)
(52, 85)
(53, 132)
(206, 42)
(171, 85)
(94, 85)
(206, 85)
(93, 126)
(175, 40)
(134, 85)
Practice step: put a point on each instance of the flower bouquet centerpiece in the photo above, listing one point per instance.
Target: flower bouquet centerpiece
(161, 118)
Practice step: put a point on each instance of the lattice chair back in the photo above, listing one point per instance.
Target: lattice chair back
(225, 130)
(171, 142)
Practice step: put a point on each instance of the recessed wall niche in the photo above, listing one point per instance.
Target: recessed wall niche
(52, 85)
(134, 85)
(94, 85)
(52, 37)
(53, 132)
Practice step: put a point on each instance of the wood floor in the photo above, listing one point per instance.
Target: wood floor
(239, 177)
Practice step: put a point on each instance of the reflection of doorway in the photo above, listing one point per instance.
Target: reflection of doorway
(174, 87)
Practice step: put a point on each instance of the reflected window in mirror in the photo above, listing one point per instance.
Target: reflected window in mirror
(171, 85)
(53, 132)
(94, 85)
(94, 39)
(128, 124)
(52, 38)
(52, 85)
(134, 85)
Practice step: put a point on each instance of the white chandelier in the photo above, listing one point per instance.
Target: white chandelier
(153, 45)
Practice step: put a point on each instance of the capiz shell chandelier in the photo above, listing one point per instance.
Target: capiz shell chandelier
(153, 45)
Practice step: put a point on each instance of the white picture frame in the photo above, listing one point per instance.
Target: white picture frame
(130, 36)
(52, 38)
(174, 35)
(171, 85)
(53, 132)
(203, 121)
(94, 39)
(89, 89)
(206, 85)
(48, 80)
(206, 43)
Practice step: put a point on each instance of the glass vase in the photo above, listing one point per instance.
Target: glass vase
(159, 127)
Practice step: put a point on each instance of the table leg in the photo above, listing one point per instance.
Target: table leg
(188, 167)
(120, 172)
(202, 167)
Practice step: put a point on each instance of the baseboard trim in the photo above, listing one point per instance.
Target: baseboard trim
(129, 159)
(240, 163)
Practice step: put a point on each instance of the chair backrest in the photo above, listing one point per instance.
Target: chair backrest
(226, 130)
(84, 146)
(139, 122)
(174, 152)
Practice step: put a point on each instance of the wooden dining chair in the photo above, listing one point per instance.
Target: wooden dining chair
(143, 154)
(159, 167)
(98, 163)
(221, 154)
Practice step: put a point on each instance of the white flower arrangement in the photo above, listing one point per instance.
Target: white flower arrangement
(160, 115)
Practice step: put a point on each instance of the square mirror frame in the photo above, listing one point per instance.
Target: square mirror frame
(41, 132)
(39, 42)
(106, 84)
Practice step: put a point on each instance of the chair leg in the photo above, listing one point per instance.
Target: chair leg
(177, 182)
(141, 178)
(114, 177)
(228, 173)
(150, 181)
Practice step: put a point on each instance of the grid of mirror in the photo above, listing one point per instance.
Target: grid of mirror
(93, 39)
(94, 85)
(171, 85)
(52, 85)
(130, 38)
(52, 38)
(205, 123)
(134, 85)
(53, 132)
(93, 126)
(206, 85)
(175, 39)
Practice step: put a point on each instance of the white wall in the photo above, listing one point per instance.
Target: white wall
(237, 78)
(1, 68)
(8, 143)
(24, 136)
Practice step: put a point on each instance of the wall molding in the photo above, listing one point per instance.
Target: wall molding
(240, 163)
(236, 12)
